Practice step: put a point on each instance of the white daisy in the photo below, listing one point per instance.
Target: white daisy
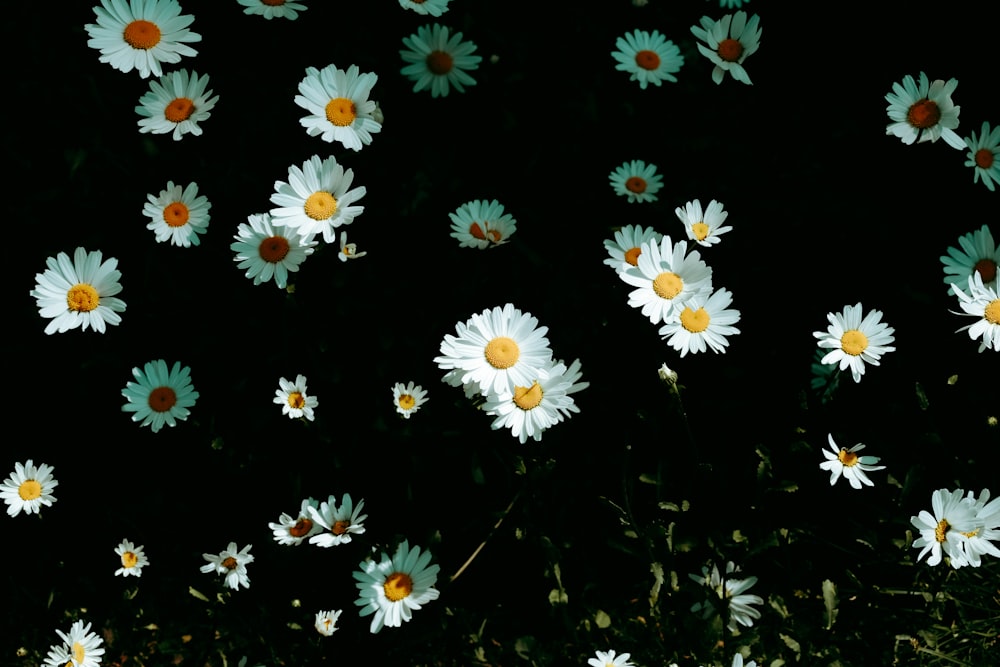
(843, 461)
(348, 250)
(58, 656)
(923, 111)
(984, 155)
(339, 523)
(437, 61)
(728, 42)
(855, 340)
(231, 564)
(326, 621)
(270, 9)
(338, 105)
(426, 7)
(984, 303)
(978, 253)
(294, 400)
(625, 248)
(705, 319)
(943, 532)
(665, 277)
(178, 214)
(141, 34)
(84, 646)
(176, 103)
(979, 541)
(636, 180)
(28, 488)
(393, 588)
(531, 409)
(267, 252)
(79, 293)
(733, 591)
(159, 396)
(132, 557)
(316, 198)
(408, 398)
(610, 659)
(295, 530)
(481, 224)
(647, 57)
(704, 228)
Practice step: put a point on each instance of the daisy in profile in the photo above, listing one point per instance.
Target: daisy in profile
(317, 198)
(133, 559)
(141, 34)
(705, 320)
(647, 57)
(846, 462)
(666, 276)
(481, 224)
(79, 293)
(438, 61)
(28, 488)
(981, 302)
(178, 214)
(984, 151)
(728, 42)
(855, 340)
(703, 227)
(733, 592)
(270, 9)
(338, 524)
(426, 7)
(326, 621)
(626, 246)
(268, 252)
(977, 253)
(531, 409)
(294, 400)
(348, 250)
(636, 180)
(231, 564)
(393, 588)
(159, 396)
(923, 111)
(944, 530)
(610, 659)
(338, 105)
(84, 648)
(294, 530)
(408, 398)
(175, 104)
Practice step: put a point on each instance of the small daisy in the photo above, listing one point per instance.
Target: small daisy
(133, 559)
(637, 181)
(326, 621)
(426, 7)
(665, 277)
(983, 155)
(408, 398)
(79, 293)
(267, 252)
(159, 396)
(625, 248)
(648, 58)
(531, 409)
(843, 461)
(269, 9)
(84, 646)
(295, 530)
(855, 340)
(178, 214)
(437, 61)
(294, 400)
(984, 303)
(481, 224)
(704, 228)
(705, 320)
(610, 659)
(978, 253)
(338, 105)
(231, 564)
(141, 34)
(339, 523)
(943, 532)
(392, 588)
(28, 488)
(316, 198)
(732, 590)
(176, 103)
(728, 42)
(923, 111)
(348, 250)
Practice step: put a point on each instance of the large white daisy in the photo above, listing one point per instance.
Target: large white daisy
(316, 198)
(481, 224)
(529, 410)
(28, 488)
(438, 61)
(854, 340)
(84, 647)
(665, 277)
(392, 588)
(923, 111)
(943, 532)
(79, 293)
(178, 214)
(338, 105)
(704, 320)
(160, 396)
(267, 252)
(728, 42)
(703, 227)
(647, 57)
(338, 524)
(141, 34)
(176, 103)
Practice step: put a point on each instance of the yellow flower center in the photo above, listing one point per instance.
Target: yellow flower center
(730, 50)
(527, 398)
(849, 459)
(406, 401)
(632, 256)
(341, 111)
(273, 249)
(695, 321)
(986, 268)
(635, 184)
(439, 62)
(30, 489)
(142, 34)
(853, 342)
(301, 527)
(502, 352)
(129, 559)
(992, 312)
(230, 563)
(82, 298)
(321, 205)
(79, 653)
(984, 158)
(162, 399)
(924, 114)
(296, 400)
(700, 230)
(397, 586)
(667, 285)
(340, 527)
(647, 59)
(941, 529)
(180, 109)
(176, 214)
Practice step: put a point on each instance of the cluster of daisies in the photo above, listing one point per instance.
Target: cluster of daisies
(614, 659)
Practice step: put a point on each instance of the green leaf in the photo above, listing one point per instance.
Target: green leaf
(830, 602)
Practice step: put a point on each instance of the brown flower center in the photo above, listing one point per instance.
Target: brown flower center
(273, 249)
(924, 114)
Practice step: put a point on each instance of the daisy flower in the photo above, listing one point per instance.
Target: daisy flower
(733, 591)
(338, 105)
(705, 319)
(28, 488)
(704, 228)
(176, 103)
(531, 409)
(294, 400)
(665, 277)
(79, 293)
(408, 398)
(625, 248)
(231, 564)
(133, 559)
(481, 224)
(141, 34)
(426, 7)
(269, 9)
(982, 157)
(348, 250)
(987, 527)
(437, 61)
(923, 111)
(295, 530)
(160, 396)
(178, 214)
(843, 461)
(636, 180)
(326, 621)
(316, 198)
(647, 57)
(83, 646)
(978, 253)
(393, 588)
(984, 303)
(610, 659)
(728, 42)
(267, 252)
(944, 532)
(855, 340)
(340, 523)
(58, 656)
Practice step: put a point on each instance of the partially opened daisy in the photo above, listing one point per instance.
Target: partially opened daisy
(855, 339)
(159, 395)
(133, 559)
(176, 104)
(438, 60)
(294, 530)
(705, 321)
(977, 253)
(636, 180)
(531, 409)
(923, 111)
(268, 252)
(348, 250)
(666, 276)
(647, 57)
(984, 156)
(846, 462)
(408, 398)
(28, 488)
(481, 224)
(326, 621)
(294, 400)
(728, 42)
(83, 646)
(733, 592)
(610, 659)
(178, 214)
(141, 34)
(703, 227)
(626, 246)
(393, 588)
(316, 198)
(338, 105)
(944, 530)
(426, 7)
(270, 9)
(337, 524)
(982, 303)
(79, 293)
(231, 564)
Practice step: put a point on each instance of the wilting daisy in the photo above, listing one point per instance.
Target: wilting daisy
(704, 228)
(626, 246)
(133, 559)
(178, 214)
(610, 659)
(437, 61)
(294, 530)
(923, 111)
(855, 340)
(636, 180)
(79, 293)
(231, 564)
(703, 320)
(426, 7)
(294, 400)
(481, 224)
(83, 646)
(983, 303)
(176, 103)
(731, 590)
(647, 57)
(338, 105)
(408, 398)
(326, 621)
(338, 524)
(160, 396)
(983, 155)
(943, 533)
(268, 252)
(316, 198)
(269, 9)
(28, 488)
(728, 42)
(843, 461)
(665, 277)
(977, 253)
(392, 588)
(141, 34)
(531, 409)
(348, 250)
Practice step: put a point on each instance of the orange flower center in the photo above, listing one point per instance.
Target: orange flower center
(635, 184)
(176, 214)
(397, 586)
(647, 59)
(695, 321)
(82, 298)
(632, 256)
(301, 527)
(667, 285)
(477, 231)
(296, 400)
(321, 205)
(849, 459)
(924, 114)
(439, 62)
(229, 563)
(162, 399)
(406, 401)
(853, 342)
(986, 268)
(984, 158)
(129, 559)
(141, 34)
(340, 527)
(273, 249)
(179, 110)
(730, 50)
(341, 111)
